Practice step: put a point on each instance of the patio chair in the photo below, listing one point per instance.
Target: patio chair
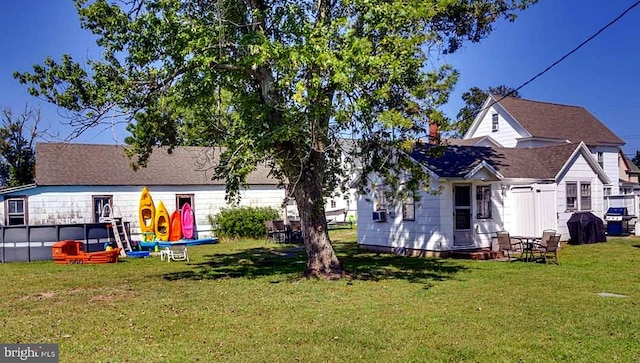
(509, 245)
(279, 231)
(295, 231)
(550, 251)
(175, 253)
(544, 240)
(270, 231)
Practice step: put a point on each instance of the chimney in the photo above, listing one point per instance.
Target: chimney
(434, 134)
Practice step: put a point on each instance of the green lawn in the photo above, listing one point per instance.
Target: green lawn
(245, 301)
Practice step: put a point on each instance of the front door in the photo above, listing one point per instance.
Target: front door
(462, 232)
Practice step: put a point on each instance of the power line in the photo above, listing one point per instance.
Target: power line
(566, 55)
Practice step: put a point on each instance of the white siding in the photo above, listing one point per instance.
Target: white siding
(432, 229)
(610, 161)
(69, 204)
(508, 129)
(425, 233)
(580, 171)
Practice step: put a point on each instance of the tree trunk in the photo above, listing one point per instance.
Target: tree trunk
(321, 258)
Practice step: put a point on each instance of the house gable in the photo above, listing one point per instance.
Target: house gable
(483, 171)
(583, 151)
(508, 129)
(628, 171)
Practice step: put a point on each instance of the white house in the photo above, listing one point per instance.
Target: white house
(74, 181)
(519, 123)
(483, 190)
(341, 205)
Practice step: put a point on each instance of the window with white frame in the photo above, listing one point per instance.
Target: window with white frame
(483, 201)
(607, 191)
(579, 196)
(408, 209)
(585, 196)
(494, 122)
(333, 203)
(380, 200)
(600, 156)
(16, 211)
(572, 195)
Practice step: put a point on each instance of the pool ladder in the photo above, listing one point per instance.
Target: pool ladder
(118, 228)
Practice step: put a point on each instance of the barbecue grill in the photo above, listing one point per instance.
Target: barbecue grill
(618, 221)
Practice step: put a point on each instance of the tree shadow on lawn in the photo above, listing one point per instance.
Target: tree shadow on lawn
(289, 262)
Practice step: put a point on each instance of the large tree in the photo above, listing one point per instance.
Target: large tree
(18, 134)
(300, 75)
(474, 98)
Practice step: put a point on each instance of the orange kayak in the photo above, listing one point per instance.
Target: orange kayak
(175, 226)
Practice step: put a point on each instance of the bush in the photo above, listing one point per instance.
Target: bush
(243, 221)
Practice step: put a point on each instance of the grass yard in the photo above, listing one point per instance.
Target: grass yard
(245, 301)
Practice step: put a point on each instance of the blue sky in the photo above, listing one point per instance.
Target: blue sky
(603, 76)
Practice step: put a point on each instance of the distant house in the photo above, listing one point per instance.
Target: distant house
(74, 181)
(341, 205)
(483, 190)
(629, 175)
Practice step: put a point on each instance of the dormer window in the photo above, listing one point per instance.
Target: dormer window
(494, 122)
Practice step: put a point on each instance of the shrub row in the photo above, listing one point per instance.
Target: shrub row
(243, 221)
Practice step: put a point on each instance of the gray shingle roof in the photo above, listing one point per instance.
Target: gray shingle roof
(93, 164)
(529, 163)
(465, 142)
(552, 120)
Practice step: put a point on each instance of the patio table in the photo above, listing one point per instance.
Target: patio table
(528, 243)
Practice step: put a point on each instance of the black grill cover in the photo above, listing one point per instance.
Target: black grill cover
(585, 227)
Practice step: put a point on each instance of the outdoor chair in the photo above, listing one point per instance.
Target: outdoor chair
(509, 245)
(550, 251)
(295, 231)
(279, 231)
(175, 253)
(544, 240)
(270, 231)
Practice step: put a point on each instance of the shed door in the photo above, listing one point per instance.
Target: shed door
(462, 235)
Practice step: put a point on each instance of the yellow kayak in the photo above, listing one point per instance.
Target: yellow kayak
(146, 212)
(162, 223)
